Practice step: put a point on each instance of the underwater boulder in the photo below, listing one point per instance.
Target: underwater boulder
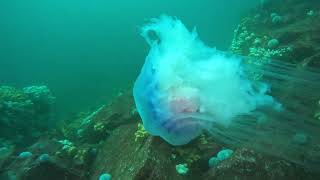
(125, 158)
(246, 164)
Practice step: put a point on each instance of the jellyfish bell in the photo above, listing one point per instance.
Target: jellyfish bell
(186, 88)
(181, 130)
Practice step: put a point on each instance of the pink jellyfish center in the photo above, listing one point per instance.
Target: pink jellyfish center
(184, 99)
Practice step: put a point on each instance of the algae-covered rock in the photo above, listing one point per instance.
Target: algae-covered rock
(246, 164)
(124, 158)
(95, 126)
(298, 36)
(40, 161)
(25, 113)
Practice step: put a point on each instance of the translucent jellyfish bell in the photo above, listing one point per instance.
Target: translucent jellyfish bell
(186, 87)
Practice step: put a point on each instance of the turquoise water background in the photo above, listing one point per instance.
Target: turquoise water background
(88, 50)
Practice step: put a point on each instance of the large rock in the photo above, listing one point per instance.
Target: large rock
(124, 158)
(246, 164)
(38, 167)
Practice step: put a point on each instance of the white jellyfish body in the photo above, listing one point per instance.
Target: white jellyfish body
(186, 87)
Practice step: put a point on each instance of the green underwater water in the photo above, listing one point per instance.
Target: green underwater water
(87, 51)
(79, 101)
